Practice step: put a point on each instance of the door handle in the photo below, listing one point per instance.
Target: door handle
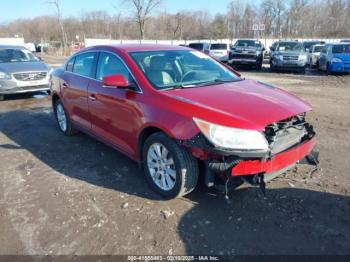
(92, 97)
(64, 85)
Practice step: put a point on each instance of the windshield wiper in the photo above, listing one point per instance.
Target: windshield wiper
(205, 83)
(209, 83)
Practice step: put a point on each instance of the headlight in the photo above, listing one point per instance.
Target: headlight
(336, 60)
(232, 138)
(302, 57)
(3, 75)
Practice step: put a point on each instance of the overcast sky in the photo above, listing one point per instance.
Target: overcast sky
(13, 9)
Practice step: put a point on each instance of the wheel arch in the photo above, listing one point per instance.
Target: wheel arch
(55, 98)
(146, 133)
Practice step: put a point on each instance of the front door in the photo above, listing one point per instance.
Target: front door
(113, 111)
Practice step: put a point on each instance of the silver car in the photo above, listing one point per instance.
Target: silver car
(21, 71)
(288, 55)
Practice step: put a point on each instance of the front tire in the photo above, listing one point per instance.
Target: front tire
(170, 169)
(63, 121)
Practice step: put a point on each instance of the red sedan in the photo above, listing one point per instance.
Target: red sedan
(181, 114)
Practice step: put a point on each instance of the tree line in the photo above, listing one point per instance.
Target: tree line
(147, 19)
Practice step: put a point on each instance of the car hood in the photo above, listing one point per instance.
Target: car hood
(245, 104)
(15, 67)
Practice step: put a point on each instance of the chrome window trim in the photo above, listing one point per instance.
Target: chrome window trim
(98, 51)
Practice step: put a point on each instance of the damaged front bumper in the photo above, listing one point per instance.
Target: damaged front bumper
(290, 141)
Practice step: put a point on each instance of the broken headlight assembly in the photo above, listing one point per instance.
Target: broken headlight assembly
(232, 138)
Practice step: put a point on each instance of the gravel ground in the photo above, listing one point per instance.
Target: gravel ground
(74, 195)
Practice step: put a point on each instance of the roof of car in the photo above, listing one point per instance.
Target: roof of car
(11, 47)
(142, 47)
(342, 43)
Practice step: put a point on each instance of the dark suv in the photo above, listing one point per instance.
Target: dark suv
(247, 52)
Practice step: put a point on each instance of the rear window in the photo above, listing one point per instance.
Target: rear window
(218, 47)
(196, 46)
(84, 64)
(341, 49)
(70, 65)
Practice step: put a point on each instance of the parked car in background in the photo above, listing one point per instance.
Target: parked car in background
(21, 71)
(272, 47)
(345, 41)
(220, 51)
(173, 109)
(289, 55)
(202, 47)
(314, 55)
(308, 46)
(335, 58)
(247, 52)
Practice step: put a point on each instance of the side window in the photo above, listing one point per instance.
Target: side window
(70, 65)
(109, 64)
(84, 64)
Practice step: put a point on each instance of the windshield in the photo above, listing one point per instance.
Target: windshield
(182, 69)
(341, 49)
(289, 46)
(318, 49)
(308, 45)
(247, 43)
(218, 47)
(16, 55)
(196, 46)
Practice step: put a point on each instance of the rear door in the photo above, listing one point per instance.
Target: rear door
(75, 81)
(114, 112)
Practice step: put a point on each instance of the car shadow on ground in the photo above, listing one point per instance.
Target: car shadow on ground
(35, 95)
(288, 221)
(79, 157)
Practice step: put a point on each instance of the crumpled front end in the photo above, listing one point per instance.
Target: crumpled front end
(289, 141)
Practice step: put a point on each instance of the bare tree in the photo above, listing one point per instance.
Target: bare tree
(57, 6)
(142, 12)
(296, 18)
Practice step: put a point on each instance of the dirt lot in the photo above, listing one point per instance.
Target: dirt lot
(74, 195)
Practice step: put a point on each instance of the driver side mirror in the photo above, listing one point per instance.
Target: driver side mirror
(117, 80)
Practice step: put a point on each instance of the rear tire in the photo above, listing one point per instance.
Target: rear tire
(63, 121)
(178, 165)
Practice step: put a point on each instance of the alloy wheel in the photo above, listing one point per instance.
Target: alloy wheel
(161, 166)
